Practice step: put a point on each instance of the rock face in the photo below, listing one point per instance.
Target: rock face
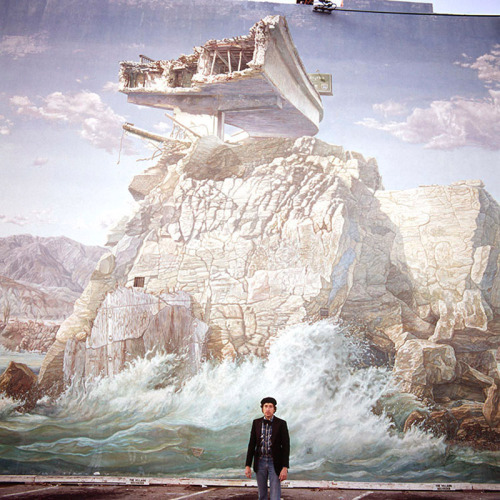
(463, 423)
(20, 383)
(273, 232)
(447, 251)
(262, 236)
(28, 335)
(131, 323)
(269, 233)
(421, 365)
(79, 325)
(111, 326)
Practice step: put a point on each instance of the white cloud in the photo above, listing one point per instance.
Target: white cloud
(449, 124)
(163, 127)
(98, 123)
(487, 66)
(18, 220)
(5, 125)
(38, 162)
(20, 46)
(111, 87)
(19, 100)
(37, 217)
(455, 123)
(390, 108)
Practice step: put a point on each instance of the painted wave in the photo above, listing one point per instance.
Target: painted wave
(155, 418)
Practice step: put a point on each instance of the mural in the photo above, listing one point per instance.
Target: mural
(243, 236)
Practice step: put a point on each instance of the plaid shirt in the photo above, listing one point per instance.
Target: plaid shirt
(265, 439)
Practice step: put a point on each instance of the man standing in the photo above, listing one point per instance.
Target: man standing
(269, 448)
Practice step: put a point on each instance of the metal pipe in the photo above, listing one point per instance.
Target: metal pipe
(144, 133)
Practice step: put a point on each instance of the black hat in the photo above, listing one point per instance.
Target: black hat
(268, 400)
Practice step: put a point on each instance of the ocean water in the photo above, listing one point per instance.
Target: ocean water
(32, 359)
(156, 419)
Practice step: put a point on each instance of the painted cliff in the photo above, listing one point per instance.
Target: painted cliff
(270, 233)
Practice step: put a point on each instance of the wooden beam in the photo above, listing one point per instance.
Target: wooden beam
(185, 127)
(213, 62)
(222, 59)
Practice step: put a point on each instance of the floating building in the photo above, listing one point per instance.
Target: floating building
(255, 82)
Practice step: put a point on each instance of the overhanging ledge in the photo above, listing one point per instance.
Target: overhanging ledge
(257, 81)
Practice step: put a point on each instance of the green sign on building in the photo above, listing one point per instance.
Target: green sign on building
(322, 82)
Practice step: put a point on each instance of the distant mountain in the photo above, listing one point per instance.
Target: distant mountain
(54, 262)
(27, 301)
(40, 279)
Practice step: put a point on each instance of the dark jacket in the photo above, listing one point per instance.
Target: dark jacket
(280, 444)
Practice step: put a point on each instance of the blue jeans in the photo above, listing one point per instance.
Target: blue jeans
(265, 471)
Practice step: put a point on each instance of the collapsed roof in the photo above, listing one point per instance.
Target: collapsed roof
(256, 82)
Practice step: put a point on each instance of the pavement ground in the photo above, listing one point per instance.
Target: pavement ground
(54, 491)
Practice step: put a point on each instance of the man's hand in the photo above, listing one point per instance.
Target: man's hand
(283, 474)
(248, 472)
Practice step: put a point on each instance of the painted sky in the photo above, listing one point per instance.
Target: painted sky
(418, 93)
